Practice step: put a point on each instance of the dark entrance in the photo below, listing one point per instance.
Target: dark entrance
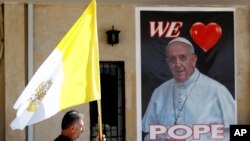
(113, 102)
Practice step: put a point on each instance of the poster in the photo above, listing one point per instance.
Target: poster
(211, 32)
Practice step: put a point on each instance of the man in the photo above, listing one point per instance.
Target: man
(190, 98)
(72, 126)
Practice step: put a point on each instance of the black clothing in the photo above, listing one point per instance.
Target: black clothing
(63, 138)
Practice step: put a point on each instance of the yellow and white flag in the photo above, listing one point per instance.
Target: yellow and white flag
(68, 77)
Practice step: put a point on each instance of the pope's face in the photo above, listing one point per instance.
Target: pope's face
(181, 60)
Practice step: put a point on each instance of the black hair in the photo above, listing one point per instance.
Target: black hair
(70, 118)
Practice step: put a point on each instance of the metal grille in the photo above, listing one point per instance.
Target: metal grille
(113, 102)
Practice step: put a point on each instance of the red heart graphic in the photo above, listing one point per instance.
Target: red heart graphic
(206, 36)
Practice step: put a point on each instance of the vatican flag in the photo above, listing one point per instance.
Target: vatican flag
(68, 77)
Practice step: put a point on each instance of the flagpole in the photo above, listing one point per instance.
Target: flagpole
(99, 118)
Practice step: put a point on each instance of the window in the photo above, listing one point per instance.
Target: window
(113, 103)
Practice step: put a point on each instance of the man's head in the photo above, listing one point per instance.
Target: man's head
(72, 124)
(181, 58)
